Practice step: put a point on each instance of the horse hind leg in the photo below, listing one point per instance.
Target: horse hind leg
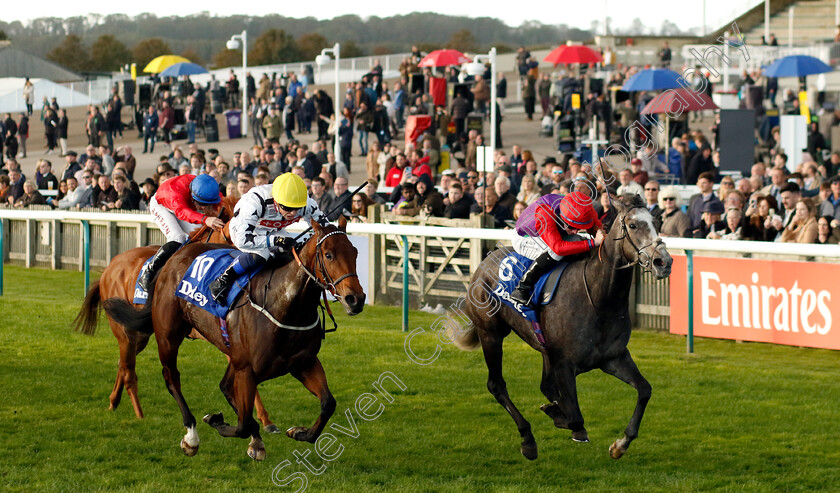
(624, 368)
(315, 380)
(559, 386)
(492, 347)
(126, 376)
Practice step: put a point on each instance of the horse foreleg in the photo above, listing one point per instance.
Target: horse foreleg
(168, 353)
(492, 347)
(315, 380)
(624, 368)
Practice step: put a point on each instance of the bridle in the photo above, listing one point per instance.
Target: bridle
(640, 252)
(643, 259)
(325, 282)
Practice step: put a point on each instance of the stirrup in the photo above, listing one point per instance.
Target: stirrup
(520, 297)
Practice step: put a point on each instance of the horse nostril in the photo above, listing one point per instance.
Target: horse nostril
(350, 299)
(659, 262)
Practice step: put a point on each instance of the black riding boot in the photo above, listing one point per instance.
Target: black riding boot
(522, 293)
(160, 258)
(220, 286)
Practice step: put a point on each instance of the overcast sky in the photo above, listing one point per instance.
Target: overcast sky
(572, 12)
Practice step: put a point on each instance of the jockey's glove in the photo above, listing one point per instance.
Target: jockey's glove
(285, 243)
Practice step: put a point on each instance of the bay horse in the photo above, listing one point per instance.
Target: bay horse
(586, 326)
(118, 281)
(270, 327)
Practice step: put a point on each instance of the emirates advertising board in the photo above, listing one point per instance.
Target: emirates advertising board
(792, 303)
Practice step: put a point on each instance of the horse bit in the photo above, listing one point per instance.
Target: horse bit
(640, 252)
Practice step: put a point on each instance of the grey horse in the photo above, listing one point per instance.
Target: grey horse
(586, 326)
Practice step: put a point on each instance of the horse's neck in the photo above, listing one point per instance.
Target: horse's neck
(607, 281)
(289, 291)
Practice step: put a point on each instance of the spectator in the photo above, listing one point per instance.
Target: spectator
(803, 225)
(652, 202)
(745, 187)
(342, 198)
(243, 185)
(674, 221)
(826, 235)
(727, 184)
(695, 203)
(4, 189)
(830, 206)
(50, 129)
(393, 175)
(31, 196)
(505, 198)
(734, 229)
(711, 226)
(759, 210)
(318, 192)
(429, 199)
(700, 163)
(528, 192)
(777, 181)
(16, 181)
(106, 194)
(126, 199)
(518, 209)
(148, 190)
(359, 209)
(640, 176)
(459, 203)
(628, 186)
(790, 196)
(407, 204)
(492, 208)
(370, 191)
(44, 177)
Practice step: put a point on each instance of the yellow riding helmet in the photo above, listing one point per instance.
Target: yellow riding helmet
(289, 191)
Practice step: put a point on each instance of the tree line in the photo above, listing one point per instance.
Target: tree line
(97, 43)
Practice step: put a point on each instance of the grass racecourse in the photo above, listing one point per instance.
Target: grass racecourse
(732, 417)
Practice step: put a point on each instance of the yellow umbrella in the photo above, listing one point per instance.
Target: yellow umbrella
(160, 63)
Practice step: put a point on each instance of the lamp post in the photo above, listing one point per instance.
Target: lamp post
(322, 60)
(477, 68)
(233, 44)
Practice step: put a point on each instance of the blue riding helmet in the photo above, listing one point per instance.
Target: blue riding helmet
(205, 190)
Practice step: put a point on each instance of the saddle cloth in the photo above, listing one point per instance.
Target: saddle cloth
(205, 268)
(511, 269)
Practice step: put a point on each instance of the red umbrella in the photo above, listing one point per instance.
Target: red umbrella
(573, 54)
(675, 101)
(443, 58)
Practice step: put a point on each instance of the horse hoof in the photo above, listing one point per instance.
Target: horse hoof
(615, 451)
(214, 420)
(580, 436)
(298, 433)
(256, 454)
(188, 450)
(272, 428)
(529, 451)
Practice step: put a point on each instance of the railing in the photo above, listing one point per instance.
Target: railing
(440, 260)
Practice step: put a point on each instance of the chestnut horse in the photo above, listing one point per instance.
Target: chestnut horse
(273, 330)
(586, 326)
(117, 281)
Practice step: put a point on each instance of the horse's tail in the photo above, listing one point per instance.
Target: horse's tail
(86, 321)
(124, 313)
(465, 339)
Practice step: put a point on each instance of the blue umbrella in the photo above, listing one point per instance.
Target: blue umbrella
(796, 66)
(183, 68)
(656, 79)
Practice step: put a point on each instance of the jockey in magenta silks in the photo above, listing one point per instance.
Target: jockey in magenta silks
(547, 232)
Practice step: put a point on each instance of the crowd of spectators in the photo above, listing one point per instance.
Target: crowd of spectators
(771, 204)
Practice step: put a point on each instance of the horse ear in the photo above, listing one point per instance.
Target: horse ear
(315, 226)
(342, 223)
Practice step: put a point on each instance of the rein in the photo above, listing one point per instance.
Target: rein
(645, 264)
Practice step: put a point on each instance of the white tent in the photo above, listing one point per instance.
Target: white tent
(67, 94)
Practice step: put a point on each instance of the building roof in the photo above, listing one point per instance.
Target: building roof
(18, 63)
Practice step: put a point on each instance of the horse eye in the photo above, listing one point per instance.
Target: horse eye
(632, 226)
(328, 256)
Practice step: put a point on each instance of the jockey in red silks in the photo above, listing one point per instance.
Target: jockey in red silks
(547, 232)
(181, 204)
